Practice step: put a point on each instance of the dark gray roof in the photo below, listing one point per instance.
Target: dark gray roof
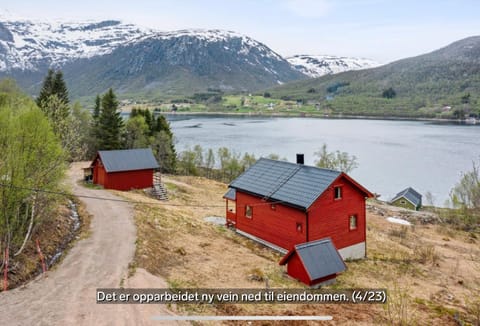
(296, 184)
(411, 195)
(320, 258)
(231, 194)
(128, 160)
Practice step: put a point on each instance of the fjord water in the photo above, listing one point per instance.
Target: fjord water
(392, 155)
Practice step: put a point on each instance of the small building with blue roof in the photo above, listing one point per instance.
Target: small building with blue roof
(408, 198)
(314, 263)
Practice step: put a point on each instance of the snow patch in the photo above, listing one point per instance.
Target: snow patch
(320, 65)
(218, 220)
(398, 221)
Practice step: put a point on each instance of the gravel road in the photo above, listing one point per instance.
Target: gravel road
(67, 295)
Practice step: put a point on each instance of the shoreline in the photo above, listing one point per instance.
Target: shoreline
(306, 115)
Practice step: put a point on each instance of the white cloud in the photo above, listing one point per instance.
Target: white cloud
(308, 8)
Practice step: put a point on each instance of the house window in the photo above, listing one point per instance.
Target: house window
(231, 206)
(248, 211)
(402, 202)
(353, 222)
(299, 227)
(338, 192)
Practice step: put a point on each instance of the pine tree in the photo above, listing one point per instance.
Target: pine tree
(60, 88)
(96, 108)
(149, 120)
(162, 125)
(47, 88)
(53, 84)
(110, 123)
(168, 156)
(156, 134)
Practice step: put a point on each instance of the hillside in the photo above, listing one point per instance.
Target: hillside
(182, 62)
(423, 85)
(430, 270)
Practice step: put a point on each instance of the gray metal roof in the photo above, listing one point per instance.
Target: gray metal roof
(296, 184)
(128, 160)
(231, 194)
(320, 258)
(411, 195)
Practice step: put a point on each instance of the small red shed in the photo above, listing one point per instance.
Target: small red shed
(314, 263)
(124, 169)
(282, 204)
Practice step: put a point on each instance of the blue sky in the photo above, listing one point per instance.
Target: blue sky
(378, 29)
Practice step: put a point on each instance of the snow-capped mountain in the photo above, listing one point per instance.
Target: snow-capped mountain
(28, 45)
(320, 65)
(98, 55)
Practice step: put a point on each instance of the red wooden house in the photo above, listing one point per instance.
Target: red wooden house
(124, 169)
(314, 263)
(283, 204)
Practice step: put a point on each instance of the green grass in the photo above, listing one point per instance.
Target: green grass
(231, 100)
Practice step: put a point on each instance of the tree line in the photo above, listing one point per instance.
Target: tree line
(222, 165)
(225, 165)
(83, 133)
(38, 138)
(33, 157)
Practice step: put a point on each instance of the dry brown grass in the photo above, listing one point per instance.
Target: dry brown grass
(429, 271)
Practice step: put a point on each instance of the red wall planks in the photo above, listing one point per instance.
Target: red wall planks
(124, 180)
(329, 217)
(285, 226)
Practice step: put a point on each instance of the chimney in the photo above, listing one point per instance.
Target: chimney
(300, 159)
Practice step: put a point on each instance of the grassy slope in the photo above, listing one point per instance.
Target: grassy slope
(422, 84)
(431, 272)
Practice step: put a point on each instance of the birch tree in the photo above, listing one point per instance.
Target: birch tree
(32, 158)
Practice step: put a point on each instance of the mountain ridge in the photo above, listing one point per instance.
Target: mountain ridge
(423, 85)
(98, 54)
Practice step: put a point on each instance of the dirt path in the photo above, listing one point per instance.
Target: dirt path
(67, 295)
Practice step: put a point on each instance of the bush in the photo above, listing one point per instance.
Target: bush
(389, 93)
(341, 161)
(425, 254)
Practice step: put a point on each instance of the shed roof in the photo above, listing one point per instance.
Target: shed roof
(231, 194)
(411, 195)
(128, 160)
(295, 184)
(320, 258)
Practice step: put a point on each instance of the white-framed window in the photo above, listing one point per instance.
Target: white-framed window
(231, 206)
(248, 211)
(337, 193)
(299, 227)
(352, 221)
